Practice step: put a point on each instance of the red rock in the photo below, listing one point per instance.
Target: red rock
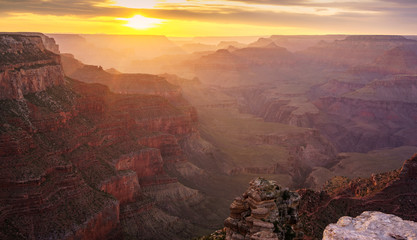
(59, 146)
(26, 66)
(147, 162)
(168, 145)
(393, 193)
(125, 187)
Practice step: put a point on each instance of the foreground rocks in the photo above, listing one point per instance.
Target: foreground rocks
(371, 225)
(264, 212)
(392, 192)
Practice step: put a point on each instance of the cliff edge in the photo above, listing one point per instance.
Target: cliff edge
(371, 226)
(26, 66)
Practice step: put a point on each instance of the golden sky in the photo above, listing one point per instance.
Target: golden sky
(187, 18)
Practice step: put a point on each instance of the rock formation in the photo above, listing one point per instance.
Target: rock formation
(398, 60)
(265, 211)
(26, 66)
(356, 50)
(82, 162)
(120, 83)
(392, 193)
(354, 116)
(371, 226)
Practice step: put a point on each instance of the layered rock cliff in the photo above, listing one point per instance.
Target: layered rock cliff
(355, 115)
(26, 66)
(355, 50)
(392, 192)
(82, 162)
(402, 59)
(121, 83)
(380, 114)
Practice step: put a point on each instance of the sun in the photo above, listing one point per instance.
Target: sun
(141, 23)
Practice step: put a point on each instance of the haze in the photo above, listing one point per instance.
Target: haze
(210, 18)
(149, 119)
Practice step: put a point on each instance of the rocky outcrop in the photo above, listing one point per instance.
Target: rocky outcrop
(399, 88)
(354, 116)
(265, 211)
(168, 145)
(334, 88)
(302, 42)
(392, 193)
(222, 59)
(121, 83)
(368, 123)
(275, 106)
(26, 66)
(48, 42)
(74, 154)
(124, 187)
(398, 60)
(371, 225)
(355, 50)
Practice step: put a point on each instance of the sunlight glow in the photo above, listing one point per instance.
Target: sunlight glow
(188, 18)
(141, 22)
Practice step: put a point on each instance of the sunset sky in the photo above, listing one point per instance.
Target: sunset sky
(187, 18)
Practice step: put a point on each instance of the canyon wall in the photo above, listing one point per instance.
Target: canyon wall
(79, 161)
(392, 192)
(27, 66)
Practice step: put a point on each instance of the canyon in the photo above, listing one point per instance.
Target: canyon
(82, 162)
(92, 149)
(382, 207)
(390, 192)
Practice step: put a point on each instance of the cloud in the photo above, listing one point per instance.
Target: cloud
(63, 7)
(351, 5)
(313, 14)
(265, 18)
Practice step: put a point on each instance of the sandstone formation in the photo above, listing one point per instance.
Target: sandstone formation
(371, 226)
(82, 162)
(265, 211)
(353, 115)
(392, 193)
(26, 66)
(120, 83)
(401, 59)
(48, 42)
(355, 50)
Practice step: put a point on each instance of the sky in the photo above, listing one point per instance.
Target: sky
(190, 18)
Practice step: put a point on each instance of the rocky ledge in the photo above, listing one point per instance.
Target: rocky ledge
(371, 225)
(391, 192)
(264, 212)
(26, 66)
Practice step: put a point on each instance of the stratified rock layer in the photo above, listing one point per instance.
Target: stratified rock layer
(26, 66)
(371, 226)
(265, 211)
(392, 193)
(77, 159)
